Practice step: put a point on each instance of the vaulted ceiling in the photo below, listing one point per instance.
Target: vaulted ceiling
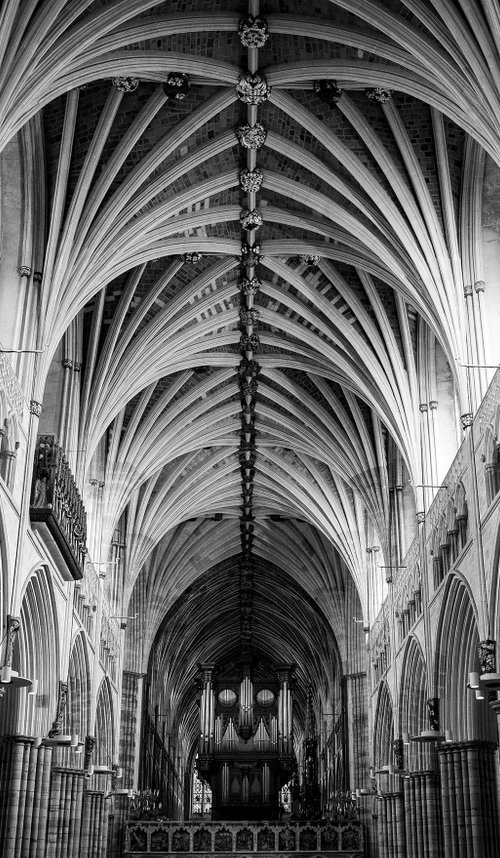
(255, 237)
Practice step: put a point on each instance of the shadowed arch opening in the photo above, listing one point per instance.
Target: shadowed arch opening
(383, 732)
(77, 712)
(104, 726)
(413, 708)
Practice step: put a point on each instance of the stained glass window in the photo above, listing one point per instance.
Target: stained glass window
(202, 796)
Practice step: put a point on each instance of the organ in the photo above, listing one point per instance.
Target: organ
(245, 748)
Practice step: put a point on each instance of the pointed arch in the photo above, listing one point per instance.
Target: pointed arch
(456, 656)
(77, 714)
(413, 709)
(383, 732)
(36, 656)
(104, 726)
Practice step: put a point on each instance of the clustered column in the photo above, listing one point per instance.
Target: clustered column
(470, 812)
(422, 817)
(391, 826)
(94, 825)
(65, 812)
(24, 796)
(46, 809)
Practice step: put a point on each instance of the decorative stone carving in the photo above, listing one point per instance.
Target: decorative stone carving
(251, 219)
(125, 84)
(251, 180)
(433, 711)
(37, 276)
(159, 841)
(62, 700)
(398, 751)
(88, 751)
(248, 388)
(223, 840)
(310, 257)
(251, 136)
(479, 286)
(265, 840)
(467, 420)
(287, 840)
(468, 290)
(35, 408)
(378, 93)
(202, 840)
(248, 369)
(487, 651)
(249, 317)
(177, 86)
(249, 342)
(250, 256)
(180, 840)
(328, 91)
(247, 447)
(13, 626)
(25, 271)
(253, 31)
(420, 516)
(252, 88)
(250, 287)
(193, 257)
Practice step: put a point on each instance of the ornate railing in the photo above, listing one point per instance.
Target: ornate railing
(56, 502)
(229, 838)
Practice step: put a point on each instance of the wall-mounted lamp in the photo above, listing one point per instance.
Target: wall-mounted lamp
(11, 677)
(63, 740)
(473, 680)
